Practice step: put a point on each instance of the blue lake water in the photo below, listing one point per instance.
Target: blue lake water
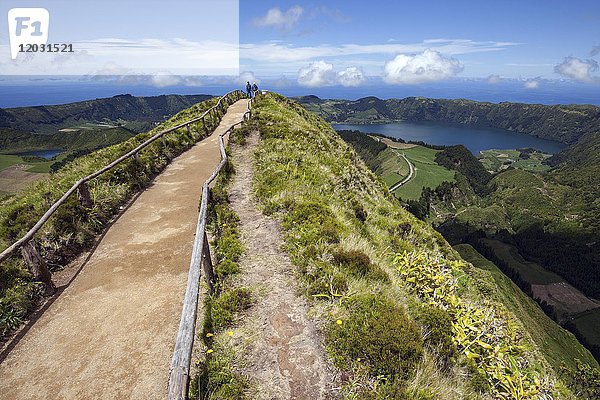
(47, 154)
(475, 139)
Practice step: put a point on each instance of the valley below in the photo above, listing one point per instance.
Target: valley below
(517, 200)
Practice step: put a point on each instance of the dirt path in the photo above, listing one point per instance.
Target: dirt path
(281, 345)
(110, 335)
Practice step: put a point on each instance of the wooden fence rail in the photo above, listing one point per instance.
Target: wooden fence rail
(179, 374)
(29, 249)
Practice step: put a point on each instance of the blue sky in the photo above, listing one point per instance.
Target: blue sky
(131, 37)
(543, 51)
(526, 40)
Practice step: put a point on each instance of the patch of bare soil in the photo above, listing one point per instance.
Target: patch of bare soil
(15, 178)
(564, 297)
(282, 347)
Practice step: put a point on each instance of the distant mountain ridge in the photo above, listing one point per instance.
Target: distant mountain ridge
(136, 113)
(564, 123)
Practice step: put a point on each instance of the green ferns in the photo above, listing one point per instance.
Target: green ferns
(492, 347)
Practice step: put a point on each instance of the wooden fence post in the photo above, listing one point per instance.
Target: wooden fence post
(189, 129)
(209, 273)
(84, 195)
(204, 124)
(37, 266)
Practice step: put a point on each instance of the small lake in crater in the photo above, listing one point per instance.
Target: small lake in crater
(47, 154)
(475, 139)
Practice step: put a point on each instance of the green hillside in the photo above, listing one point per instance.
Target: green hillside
(565, 123)
(362, 260)
(136, 113)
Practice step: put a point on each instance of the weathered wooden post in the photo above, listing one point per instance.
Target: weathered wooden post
(37, 266)
(84, 195)
(189, 129)
(209, 273)
(162, 140)
(204, 124)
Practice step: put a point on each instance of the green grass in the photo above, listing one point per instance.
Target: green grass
(393, 167)
(328, 201)
(556, 344)
(496, 160)
(529, 271)
(427, 173)
(7, 160)
(587, 324)
(217, 378)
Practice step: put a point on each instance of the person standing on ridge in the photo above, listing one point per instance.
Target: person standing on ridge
(254, 89)
(248, 90)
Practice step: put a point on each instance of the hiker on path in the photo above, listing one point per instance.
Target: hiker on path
(248, 90)
(254, 89)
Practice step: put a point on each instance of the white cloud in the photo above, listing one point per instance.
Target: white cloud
(578, 69)
(351, 76)
(281, 20)
(283, 52)
(144, 56)
(494, 79)
(164, 80)
(427, 66)
(316, 74)
(533, 83)
(248, 76)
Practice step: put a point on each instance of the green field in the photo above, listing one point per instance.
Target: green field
(393, 168)
(588, 324)
(529, 271)
(556, 343)
(7, 160)
(497, 160)
(427, 173)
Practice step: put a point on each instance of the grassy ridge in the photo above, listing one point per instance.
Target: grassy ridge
(73, 228)
(330, 203)
(565, 123)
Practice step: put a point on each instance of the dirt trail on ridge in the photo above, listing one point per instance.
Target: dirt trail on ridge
(281, 346)
(110, 334)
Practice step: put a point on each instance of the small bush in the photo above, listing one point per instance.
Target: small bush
(312, 222)
(359, 264)
(380, 334)
(437, 325)
(359, 212)
(217, 379)
(323, 282)
(226, 307)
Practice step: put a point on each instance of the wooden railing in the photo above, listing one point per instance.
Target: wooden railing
(27, 245)
(179, 374)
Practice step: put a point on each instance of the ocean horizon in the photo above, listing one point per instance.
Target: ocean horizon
(51, 92)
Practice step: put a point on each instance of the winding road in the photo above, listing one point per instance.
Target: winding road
(411, 173)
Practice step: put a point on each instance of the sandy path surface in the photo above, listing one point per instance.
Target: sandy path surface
(281, 346)
(110, 335)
